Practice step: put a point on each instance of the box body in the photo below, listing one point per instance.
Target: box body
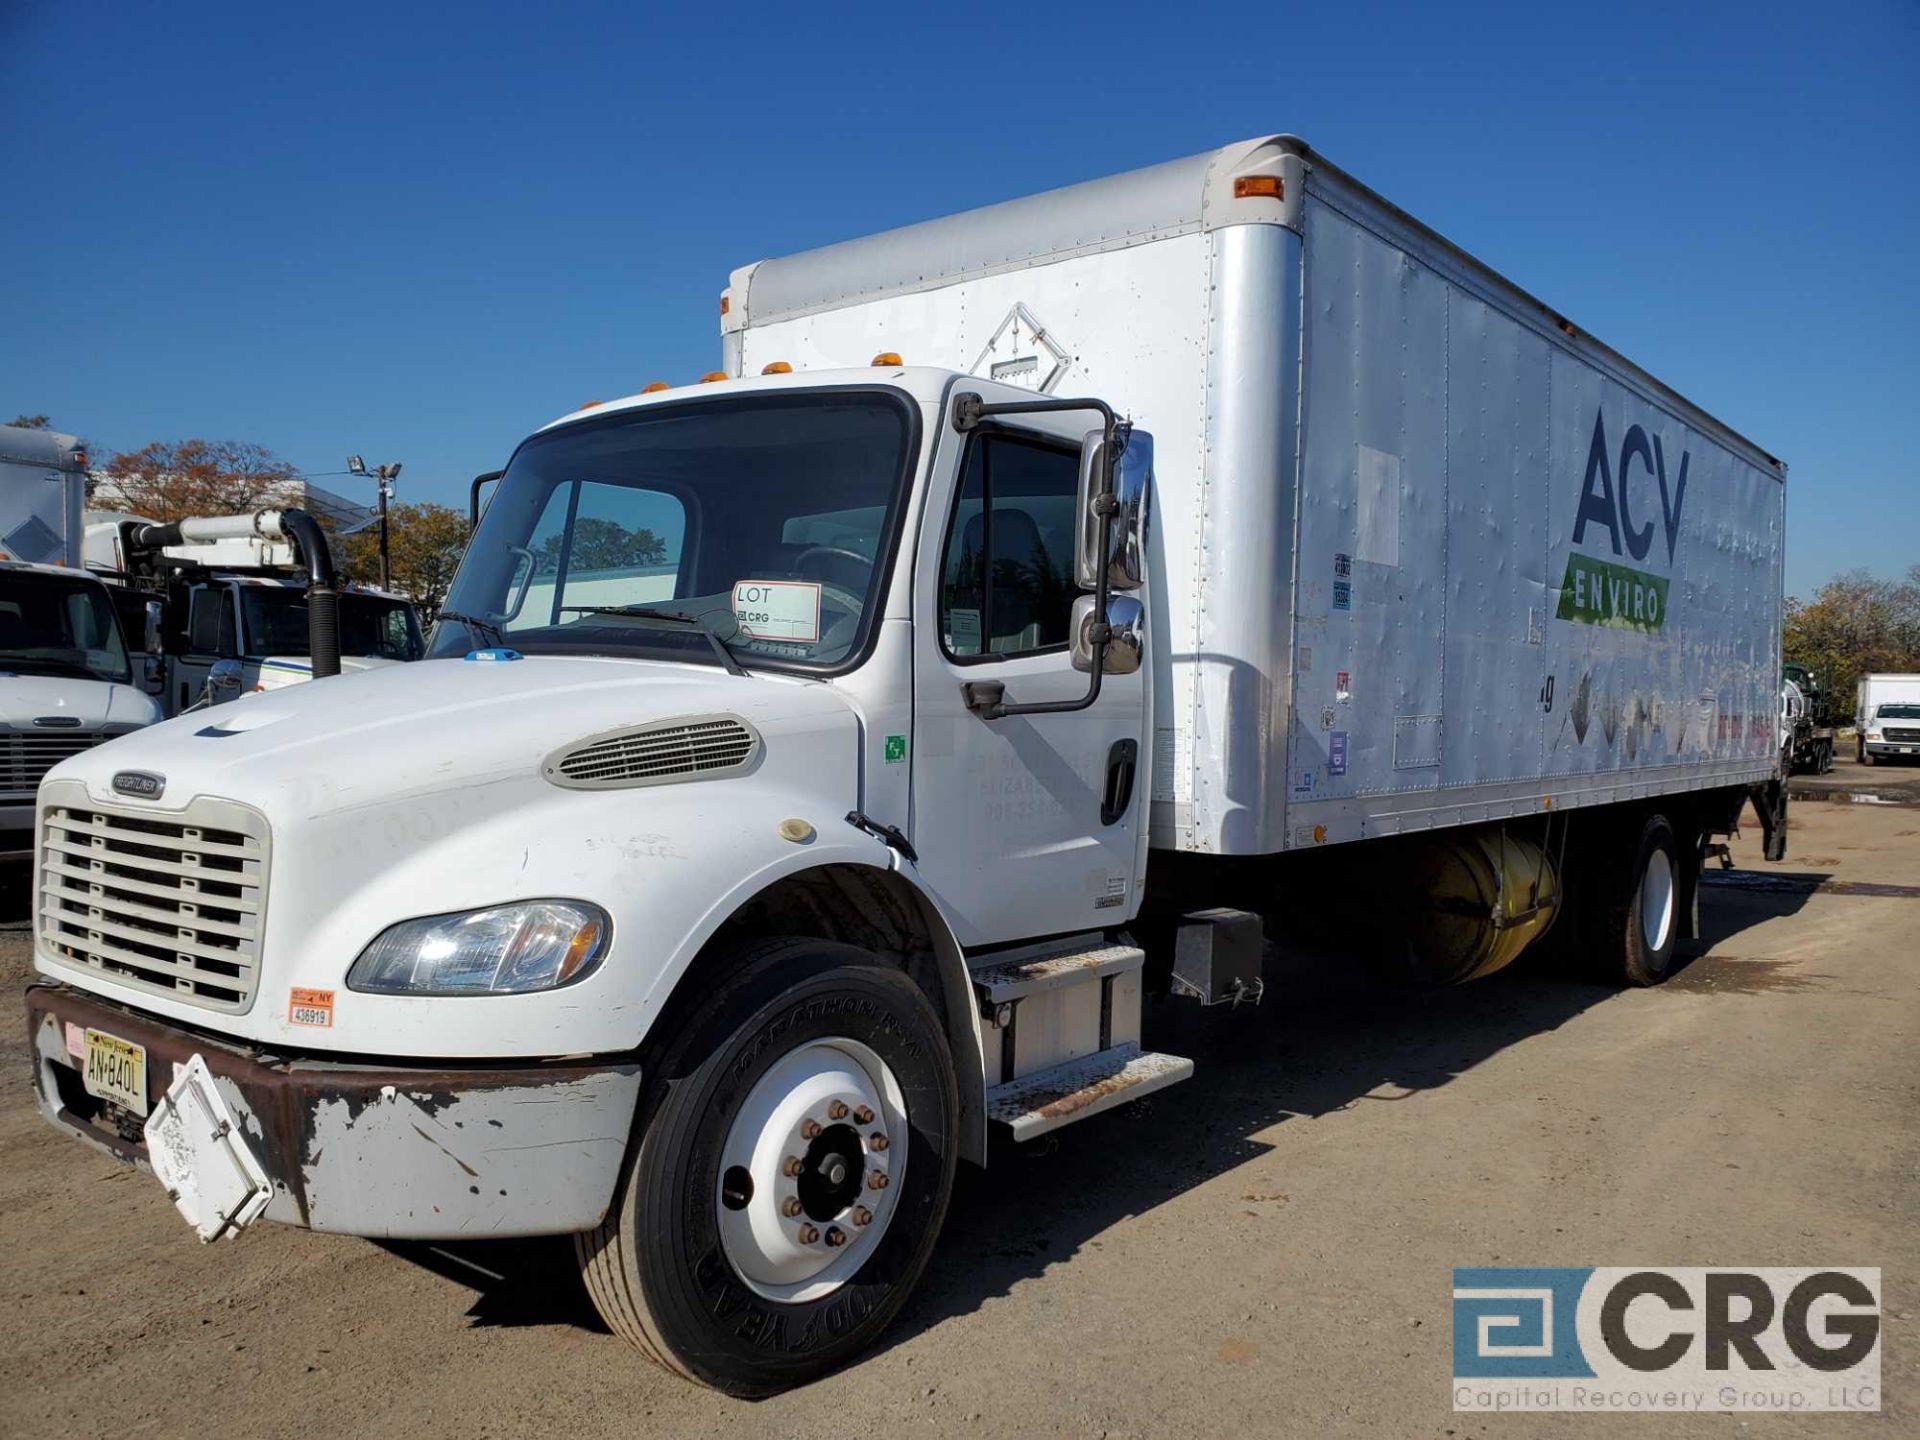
(1424, 552)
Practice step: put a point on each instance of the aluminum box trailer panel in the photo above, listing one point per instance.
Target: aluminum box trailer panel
(43, 481)
(1430, 554)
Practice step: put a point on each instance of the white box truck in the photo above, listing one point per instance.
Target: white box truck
(815, 769)
(67, 681)
(1886, 718)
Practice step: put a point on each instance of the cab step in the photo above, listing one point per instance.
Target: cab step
(1036, 968)
(1061, 1026)
(1047, 1099)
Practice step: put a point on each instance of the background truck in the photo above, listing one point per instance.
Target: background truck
(817, 770)
(237, 609)
(1886, 717)
(66, 680)
(1806, 721)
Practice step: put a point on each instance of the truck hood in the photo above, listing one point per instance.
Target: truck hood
(96, 704)
(400, 733)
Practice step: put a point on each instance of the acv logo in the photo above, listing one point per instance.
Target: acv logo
(1606, 494)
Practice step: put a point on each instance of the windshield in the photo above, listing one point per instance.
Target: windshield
(50, 625)
(1897, 712)
(276, 621)
(769, 517)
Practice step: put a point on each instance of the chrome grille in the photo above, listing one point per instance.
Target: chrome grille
(167, 902)
(654, 754)
(27, 755)
(1905, 736)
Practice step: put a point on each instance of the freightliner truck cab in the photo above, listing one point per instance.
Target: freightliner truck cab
(756, 707)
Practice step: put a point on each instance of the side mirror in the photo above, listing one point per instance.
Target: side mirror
(1127, 622)
(224, 681)
(1132, 480)
(153, 674)
(150, 639)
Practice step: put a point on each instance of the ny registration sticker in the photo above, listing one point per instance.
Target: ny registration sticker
(309, 1007)
(778, 609)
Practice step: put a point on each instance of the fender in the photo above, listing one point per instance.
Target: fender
(962, 1011)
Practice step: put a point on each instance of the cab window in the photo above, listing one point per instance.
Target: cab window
(1006, 587)
(210, 624)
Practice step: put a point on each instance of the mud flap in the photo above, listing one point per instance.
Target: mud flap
(1770, 804)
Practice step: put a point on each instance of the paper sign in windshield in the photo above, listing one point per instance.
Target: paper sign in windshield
(778, 609)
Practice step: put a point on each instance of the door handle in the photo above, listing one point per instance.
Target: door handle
(1122, 760)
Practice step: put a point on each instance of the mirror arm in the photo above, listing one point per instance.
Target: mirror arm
(988, 698)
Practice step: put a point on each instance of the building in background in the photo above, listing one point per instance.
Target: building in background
(127, 494)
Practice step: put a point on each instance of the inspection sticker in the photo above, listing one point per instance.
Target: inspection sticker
(309, 1007)
(778, 609)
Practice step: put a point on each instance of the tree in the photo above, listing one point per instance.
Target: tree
(172, 479)
(603, 545)
(31, 422)
(1855, 625)
(424, 544)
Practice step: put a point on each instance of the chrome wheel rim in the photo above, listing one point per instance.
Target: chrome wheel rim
(811, 1169)
(1656, 901)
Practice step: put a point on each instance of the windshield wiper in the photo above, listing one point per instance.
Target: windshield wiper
(696, 619)
(482, 628)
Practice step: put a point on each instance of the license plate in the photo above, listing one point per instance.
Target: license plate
(116, 1070)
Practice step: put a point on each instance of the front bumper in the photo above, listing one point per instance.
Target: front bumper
(396, 1152)
(1892, 747)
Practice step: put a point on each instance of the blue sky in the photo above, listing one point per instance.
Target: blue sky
(419, 232)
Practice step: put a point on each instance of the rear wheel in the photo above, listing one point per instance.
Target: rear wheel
(1643, 921)
(790, 1180)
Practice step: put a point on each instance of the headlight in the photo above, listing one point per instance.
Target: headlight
(502, 950)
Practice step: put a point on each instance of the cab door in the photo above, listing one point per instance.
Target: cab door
(1026, 825)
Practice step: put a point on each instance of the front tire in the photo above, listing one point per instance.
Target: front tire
(792, 1173)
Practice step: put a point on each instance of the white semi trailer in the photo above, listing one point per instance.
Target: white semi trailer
(815, 769)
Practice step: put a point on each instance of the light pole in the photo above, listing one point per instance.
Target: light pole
(386, 475)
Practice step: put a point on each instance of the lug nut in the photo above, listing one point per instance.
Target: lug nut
(809, 1129)
(792, 1166)
(877, 1180)
(837, 1111)
(836, 1237)
(862, 1116)
(791, 1209)
(808, 1234)
(862, 1215)
(876, 1141)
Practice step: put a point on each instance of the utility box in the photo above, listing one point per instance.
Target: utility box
(1217, 956)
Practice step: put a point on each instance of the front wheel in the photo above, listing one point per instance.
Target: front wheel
(793, 1171)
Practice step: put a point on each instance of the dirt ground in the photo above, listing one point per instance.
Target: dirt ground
(1266, 1249)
